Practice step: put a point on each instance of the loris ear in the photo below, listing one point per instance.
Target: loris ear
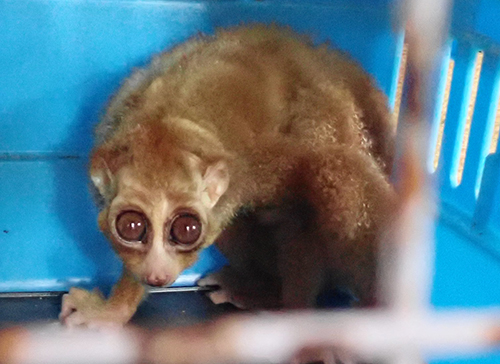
(101, 175)
(216, 181)
(104, 164)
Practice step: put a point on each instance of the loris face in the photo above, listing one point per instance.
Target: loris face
(157, 233)
(159, 210)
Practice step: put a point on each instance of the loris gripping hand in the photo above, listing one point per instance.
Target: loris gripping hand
(89, 308)
(81, 307)
(231, 121)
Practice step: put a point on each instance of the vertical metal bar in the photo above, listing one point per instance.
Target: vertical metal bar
(407, 270)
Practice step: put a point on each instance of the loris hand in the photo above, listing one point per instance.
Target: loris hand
(84, 308)
(242, 289)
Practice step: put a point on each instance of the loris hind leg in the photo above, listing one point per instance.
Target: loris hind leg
(301, 264)
(300, 253)
(352, 200)
(276, 259)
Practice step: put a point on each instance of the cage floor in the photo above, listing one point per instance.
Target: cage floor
(158, 310)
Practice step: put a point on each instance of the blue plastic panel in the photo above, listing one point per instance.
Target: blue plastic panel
(48, 228)
(467, 274)
(477, 17)
(484, 358)
(471, 206)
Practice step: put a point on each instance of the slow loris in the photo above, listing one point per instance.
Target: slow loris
(253, 116)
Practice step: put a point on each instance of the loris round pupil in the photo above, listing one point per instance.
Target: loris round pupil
(131, 226)
(185, 229)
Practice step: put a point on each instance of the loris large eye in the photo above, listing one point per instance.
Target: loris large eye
(131, 226)
(185, 229)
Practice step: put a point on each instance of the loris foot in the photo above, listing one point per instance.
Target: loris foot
(224, 288)
(90, 309)
(241, 290)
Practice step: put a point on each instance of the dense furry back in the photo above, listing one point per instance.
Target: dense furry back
(264, 92)
(258, 80)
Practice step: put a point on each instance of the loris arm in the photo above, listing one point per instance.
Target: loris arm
(80, 306)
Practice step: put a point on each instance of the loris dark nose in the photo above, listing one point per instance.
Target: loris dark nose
(156, 281)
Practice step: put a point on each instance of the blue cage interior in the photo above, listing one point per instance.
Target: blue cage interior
(61, 60)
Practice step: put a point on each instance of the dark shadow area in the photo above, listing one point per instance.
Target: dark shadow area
(176, 309)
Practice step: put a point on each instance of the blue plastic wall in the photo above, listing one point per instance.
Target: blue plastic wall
(61, 60)
(468, 231)
(468, 234)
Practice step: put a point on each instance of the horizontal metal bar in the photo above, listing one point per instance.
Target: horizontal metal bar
(152, 290)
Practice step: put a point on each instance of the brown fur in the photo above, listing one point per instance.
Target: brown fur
(251, 117)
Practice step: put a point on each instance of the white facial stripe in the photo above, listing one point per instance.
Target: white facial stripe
(158, 214)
